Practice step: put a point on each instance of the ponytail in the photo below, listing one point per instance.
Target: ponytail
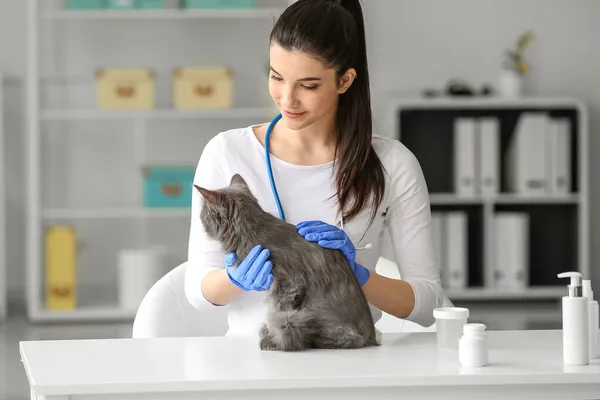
(333, 31)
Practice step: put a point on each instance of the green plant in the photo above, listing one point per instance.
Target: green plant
(515, 57)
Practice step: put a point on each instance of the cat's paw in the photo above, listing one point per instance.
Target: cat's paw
(266, 340)
(267, 344)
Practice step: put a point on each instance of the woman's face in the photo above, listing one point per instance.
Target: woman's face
(303, 88)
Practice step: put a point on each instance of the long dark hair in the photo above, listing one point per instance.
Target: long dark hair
(334, 32)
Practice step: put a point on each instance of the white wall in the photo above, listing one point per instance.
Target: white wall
(12, 65)
(412, 45)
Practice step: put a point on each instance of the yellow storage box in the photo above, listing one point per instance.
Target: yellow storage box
(202, 87)
(126, 89)
(61, 268)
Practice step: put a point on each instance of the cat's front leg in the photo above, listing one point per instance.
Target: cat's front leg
(267, 341)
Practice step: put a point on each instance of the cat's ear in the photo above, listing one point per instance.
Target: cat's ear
(238, 181)
(210, 196)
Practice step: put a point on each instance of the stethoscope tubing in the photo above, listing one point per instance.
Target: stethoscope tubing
(274, 186)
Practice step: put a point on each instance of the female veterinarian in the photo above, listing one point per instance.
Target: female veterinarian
(317, 158)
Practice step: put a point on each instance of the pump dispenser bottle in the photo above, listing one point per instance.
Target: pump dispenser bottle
(575, 322)
(594, 315)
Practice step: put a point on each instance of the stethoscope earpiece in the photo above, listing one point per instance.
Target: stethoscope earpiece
(365, 247)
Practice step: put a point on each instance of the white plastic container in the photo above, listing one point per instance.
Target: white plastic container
(473, 346)
(138, 270)
(575, 322)
(449, 323)
(588, 292)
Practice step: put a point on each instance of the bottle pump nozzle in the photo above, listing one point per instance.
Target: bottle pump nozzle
(575, 288)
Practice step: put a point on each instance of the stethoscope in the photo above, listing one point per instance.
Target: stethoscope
(274, 186)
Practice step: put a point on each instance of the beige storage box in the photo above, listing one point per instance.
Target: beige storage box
(202, 87)
(125, 89)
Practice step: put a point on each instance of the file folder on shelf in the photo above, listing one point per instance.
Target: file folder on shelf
(526, 161)
(456, 250)
(489, 158)
(466, 172)
(511, 269)
(559, 156)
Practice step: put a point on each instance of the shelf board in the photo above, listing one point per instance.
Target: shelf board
(85, 314)
(452, 103)
(242, 112)
(116, 213)
(114, 313)
(167, 14)
(123, 213)
(453, 199)
(539, 293)
(504, 198)
(550, 199)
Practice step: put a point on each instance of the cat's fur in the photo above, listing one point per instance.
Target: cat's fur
(315, 300)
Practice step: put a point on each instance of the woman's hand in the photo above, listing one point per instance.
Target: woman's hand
(253, 273)
(331, 237)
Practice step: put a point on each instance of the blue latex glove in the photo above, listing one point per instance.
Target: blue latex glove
(253, 273)
(331, 237)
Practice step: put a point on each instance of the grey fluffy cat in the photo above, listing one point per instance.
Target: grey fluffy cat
(315, 300)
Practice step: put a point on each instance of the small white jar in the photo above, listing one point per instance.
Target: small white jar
(449, 323)
(473, 346)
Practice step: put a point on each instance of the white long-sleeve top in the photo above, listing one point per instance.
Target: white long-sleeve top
(307, 193)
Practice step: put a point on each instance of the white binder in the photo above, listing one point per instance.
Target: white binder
(511, 250)
(559, 156)
(437, 232)
(456, 250)
(489, 158)
(466, 173)
(525, 158)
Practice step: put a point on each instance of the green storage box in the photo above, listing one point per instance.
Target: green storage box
(85, 4)
(168, 186)
(151, 4)
(121, 4)
(223, 4)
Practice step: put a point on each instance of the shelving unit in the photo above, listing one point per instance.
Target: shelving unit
(173, 14)
(157, 114)
(3, 224)
(558, 224)
(84, 164)
(114, 213)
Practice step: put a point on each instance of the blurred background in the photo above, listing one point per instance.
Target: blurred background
(107, 105)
